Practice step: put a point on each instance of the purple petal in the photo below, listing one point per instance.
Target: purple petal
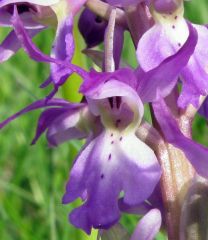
(46, 119)
(28, 16)
(154, 201)
(195, 74)
(102, 163)
(161, 80)
(36, 105)
(168, 35)
(63, 49)
(148, 226)
(11, 44)
(5, 18)
(97, 80)
(66, 126)
(35, 53)
(139, 209)
(195, 153)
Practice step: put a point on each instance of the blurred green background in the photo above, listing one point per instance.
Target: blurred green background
(32, 178)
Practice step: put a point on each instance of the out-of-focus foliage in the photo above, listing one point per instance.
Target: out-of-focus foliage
(32, 178)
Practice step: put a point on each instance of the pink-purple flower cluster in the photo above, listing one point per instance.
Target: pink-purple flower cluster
(115, 170)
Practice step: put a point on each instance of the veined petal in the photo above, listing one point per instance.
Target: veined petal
(101, 164)
(195, 153)
(148, 226)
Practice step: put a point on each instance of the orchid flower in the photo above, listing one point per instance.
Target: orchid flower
(169, 33)
(109, 121)
(115, 152)
(61, 67)
(36, 16)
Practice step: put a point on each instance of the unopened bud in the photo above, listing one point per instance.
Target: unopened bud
(194, 217)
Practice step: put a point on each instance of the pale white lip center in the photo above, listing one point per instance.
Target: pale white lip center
(174, 25)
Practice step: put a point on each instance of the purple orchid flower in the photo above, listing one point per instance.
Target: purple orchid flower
(109, 121)
(34, 15)
(169, 33)
(114, 152)
(40, 15)
(61, 67)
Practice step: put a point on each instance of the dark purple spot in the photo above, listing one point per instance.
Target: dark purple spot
(179, 44)
(121, 138)
(118, 102)
(111, 134)
(102, 176)
(109, 157)
(176, 17)
(112, 142)
(173, 26)
(111, 101)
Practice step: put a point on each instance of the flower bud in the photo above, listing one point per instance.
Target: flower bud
(194, 217)
(92, 28)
